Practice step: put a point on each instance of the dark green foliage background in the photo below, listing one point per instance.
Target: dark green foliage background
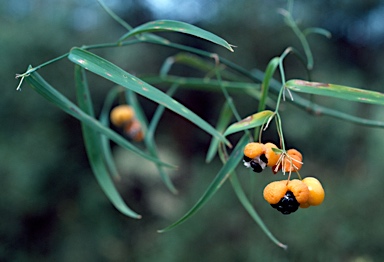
(51, 207)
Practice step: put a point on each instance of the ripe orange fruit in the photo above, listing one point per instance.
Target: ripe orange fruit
(274, 191)
(121, 114)
(254, 149)
(292, 161)
(271, 155)
(299, 189)
(316, 192)
(134, 130)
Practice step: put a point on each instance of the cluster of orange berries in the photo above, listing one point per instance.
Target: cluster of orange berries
(286, 195)
(258, 156)
(123, 116)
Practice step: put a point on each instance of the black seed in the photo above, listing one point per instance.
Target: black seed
(256, 167)
(287, 204)
(247, 159)
(264, 158)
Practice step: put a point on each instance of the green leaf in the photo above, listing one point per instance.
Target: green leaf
(271, 68)
(54, 96)
(149, 139)
(224, 119)
(205, 84)
(117, 75)
(114, 16)
(196, 62)
(218, 181)
(104, 119)
(252, 121)
(337, 91)
(317, 30)
(176, 26)
(93, 147)
(251, 210)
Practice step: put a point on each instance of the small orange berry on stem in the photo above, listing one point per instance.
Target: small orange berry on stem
(121, 114)
(289, 162)
(271, 155)
(254, 156)
(274, 191)
(293, 161)
(254, 149)
(299, 189)
(134, 130)
(286, 196)
(316, 192)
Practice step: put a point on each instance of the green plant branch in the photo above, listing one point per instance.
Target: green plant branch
(256, 76)
(228, 98)
(303, 40)
(252, 212)
(307, 105)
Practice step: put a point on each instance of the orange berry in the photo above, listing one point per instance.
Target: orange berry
(121, 114)
(254, 149)
(271, 155)
(316, 192)
(274, 191)
(292, 161)
(254, 156)
(286, 196)
(134, 131)
(299, 189)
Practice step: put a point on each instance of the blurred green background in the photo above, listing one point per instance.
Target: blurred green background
(52, 208)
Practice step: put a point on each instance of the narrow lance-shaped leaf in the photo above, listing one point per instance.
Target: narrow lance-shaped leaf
(224, 119)
(251, 210)
(92, 141)
(252, 121)
(117, 75)
(177, 26)
(205, 84)
(317, 30)
(268, 76)
(271, 68)
(337, 91)
(54, 96)
(218, 181)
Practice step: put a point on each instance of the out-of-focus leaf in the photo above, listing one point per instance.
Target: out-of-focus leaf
(176, 26)
(114, 16)
(94, 149)
(252, 121)
(149, 139)
(221, 177)
(317, 30)
(54, 96)
(196, 62)
(337, 91)
(131, 98)
(104, 119)
(224, 119)
(251, 210)
(203, 83)
(117, 75)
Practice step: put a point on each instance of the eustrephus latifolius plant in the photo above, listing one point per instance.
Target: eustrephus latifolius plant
(222, 77)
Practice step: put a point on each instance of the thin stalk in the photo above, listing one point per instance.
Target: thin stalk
(114, 16)
(227, 96)
(300, 35)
